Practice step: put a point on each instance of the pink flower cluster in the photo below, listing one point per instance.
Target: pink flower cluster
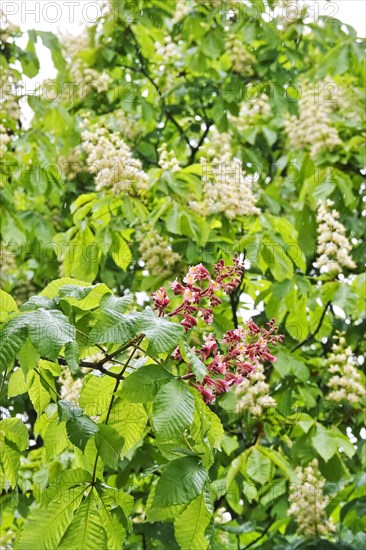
(200, 286)
(245, 347)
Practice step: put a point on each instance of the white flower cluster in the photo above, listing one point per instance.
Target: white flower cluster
(111, 160)
(7, 28)
(167, 159)
(87, 78)
(241, 60)
(307, 502)
(181, 10)
(80, 73)
(156, 252)
(226, 188)
(312, 128)
(250, 111)
(168, 51)
(74, 44)
(122, 119)
(4, 140)
(346, 384)
(70, 387)
(291, 11)
(9, 107)
(254, 393)
(217, 145)
(333, 247)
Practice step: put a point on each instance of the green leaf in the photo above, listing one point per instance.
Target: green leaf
(196, 365)
(79, 426)
(119, 304)
(121, 252)
(279, 460)
(80, 430)
(55, 438)
(83, 297)
(51, 41)
(96, 394)
(82, 259)
(142, 386)
(38, 392)
(114, 327)
(54, 287)
(7, 305)
(16, 432)
(258, 466)
(17, 384)
(109, 444)
(305, 422)
(173, 409)
(29, 60)
(163, 335)
(85, 531)
(44, 527)
(72, 356)
(110, 518)
(191, 525)
(129, 420)
(12, 336)
(324, 442)
(181, 481)
(49, 330)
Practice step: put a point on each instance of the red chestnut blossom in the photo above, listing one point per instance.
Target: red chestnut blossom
(198, 287)
(160, 298)
(229, 361)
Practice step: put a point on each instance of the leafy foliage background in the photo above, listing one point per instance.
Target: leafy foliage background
(173, 471)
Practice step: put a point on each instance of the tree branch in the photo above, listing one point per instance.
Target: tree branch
(261, 536)
(313, 334)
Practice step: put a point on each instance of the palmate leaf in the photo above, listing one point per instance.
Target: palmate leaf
(13, 440)
(163, 335)
(114, 303)
(115, 508)
(181, 481)
(115, 327)
(142, 386)
(49, 330)
(12, 337)
(45, 526)
(190, 526)
(85, 531)
(129, 420)
(173, 409)
(109, 444)
(112, 521)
